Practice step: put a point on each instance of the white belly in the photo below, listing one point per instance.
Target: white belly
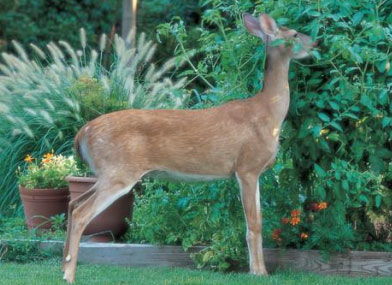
(180, 176)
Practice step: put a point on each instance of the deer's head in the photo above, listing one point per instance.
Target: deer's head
(287, 41)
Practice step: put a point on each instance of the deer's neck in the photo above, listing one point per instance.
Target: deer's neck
(275, 95)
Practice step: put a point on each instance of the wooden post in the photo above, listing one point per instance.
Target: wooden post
(129, 16)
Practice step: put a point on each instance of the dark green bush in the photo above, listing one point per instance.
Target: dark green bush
(17, 244)
(335, 144)
(41, 21)
(192, 214)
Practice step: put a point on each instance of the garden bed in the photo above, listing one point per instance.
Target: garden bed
(353, 263)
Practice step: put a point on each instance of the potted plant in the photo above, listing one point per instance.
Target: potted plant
(111, 223)
(43, 188)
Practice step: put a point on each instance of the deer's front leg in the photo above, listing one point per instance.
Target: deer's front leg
(250, 196)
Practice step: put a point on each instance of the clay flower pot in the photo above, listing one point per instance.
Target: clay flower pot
(41, 204)
(111, 222)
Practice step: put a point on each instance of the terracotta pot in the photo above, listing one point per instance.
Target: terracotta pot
(41, 204)
(111, 222)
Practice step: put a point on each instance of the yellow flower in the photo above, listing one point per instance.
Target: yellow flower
(29, 158)
(47, 157)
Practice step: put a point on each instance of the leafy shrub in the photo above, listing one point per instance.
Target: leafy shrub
(337, 137)
(50, 172)
(192, 214)
(49, 20)
(17, 244)
(44, 101)
(45, 21)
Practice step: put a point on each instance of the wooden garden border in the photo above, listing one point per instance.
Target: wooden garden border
(354, 263)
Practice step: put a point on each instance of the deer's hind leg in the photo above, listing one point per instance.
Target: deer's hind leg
(107, 190)
(72, 205)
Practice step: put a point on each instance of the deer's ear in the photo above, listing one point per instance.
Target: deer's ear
(253, 25)
(268, 25)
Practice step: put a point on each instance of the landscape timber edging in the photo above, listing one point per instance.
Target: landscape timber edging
(352, 263)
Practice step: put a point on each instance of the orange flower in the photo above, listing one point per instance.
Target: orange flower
(276, 234)
(29, 158)
(295, 221)
(295, 213)
(285, 221)
(322, 205)
(304, 236)
(47, 157)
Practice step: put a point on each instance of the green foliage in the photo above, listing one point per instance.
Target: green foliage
(21, 251)
(336, 140)
(41, 21)
(50, 172)
(17, 244)
(44, 101)
(49, 20)
(193, 214)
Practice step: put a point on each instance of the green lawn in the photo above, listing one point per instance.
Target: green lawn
(49, 273)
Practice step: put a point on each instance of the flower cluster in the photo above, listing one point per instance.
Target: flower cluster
(319, 206)
(294, 220)
(47, 158)
(48, 172)
(292, 226)
(295, 217)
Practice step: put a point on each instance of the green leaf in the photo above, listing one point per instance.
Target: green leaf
(357, 18)
(356, 205)
(277, 42)
(345, 185)
(324, 117)
(383, 96)
(351, 115)
(316, 54)
(183, 202)
(334, 105)
(320, 172)
(316, 131)
(378, 201)
(320, 192)
(324, 145)
(207, 256)
(314, 13)
(366, 101)
(386, 121)
(376, 163)
(333, 137)
(363, 198)
(336, 126)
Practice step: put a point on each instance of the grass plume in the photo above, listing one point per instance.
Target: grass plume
(46, 99)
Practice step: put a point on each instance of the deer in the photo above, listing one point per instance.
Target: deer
(238, 139)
